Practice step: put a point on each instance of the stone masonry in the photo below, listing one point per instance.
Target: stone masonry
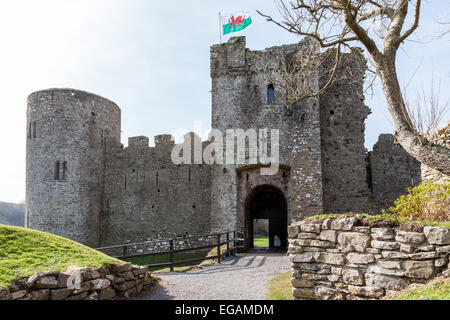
(343, 259)
(120, 280)
(83, 184)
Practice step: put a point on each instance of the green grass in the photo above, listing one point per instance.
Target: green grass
(280, 287)
(24, 252)
(261, 241)
(438, 290)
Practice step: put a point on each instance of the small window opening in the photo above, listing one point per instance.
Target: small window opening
(34, 129)
(270, 94)
(57, 167)
(64, 170)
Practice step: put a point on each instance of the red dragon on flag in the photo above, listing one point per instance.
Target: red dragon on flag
(236, 22)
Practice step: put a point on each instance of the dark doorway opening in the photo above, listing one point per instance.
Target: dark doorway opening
(267, 202)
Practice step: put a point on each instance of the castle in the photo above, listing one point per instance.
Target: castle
(81, 183)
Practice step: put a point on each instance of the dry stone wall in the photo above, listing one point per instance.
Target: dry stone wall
(341, 259)
(442, 137)
(112, 282)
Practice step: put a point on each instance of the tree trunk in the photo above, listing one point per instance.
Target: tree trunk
(433, 155)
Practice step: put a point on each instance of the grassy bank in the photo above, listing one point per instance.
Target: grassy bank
(24, 252)
(280, 288)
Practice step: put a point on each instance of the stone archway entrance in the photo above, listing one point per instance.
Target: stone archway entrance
(267, 202)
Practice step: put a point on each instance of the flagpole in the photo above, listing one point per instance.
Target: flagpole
(220, 29)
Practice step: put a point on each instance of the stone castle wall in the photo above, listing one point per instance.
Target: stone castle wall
(84, 185)
(65, 161)
(148, 197)
(341, 259)
(393, 170)
(342, 116)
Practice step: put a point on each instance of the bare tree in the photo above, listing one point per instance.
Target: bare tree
(381, 26)
(426, 110)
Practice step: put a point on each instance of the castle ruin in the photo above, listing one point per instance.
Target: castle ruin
(81, 183)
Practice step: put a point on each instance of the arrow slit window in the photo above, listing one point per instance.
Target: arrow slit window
(270, 94)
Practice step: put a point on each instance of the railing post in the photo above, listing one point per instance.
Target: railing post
(234, 242)
(218, 248)
(228, 243)
(124, 251)
(171, 255)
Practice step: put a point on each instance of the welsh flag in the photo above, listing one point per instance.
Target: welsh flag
(235, 22)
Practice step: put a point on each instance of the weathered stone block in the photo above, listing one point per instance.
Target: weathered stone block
(361, 229)
(394, 255)
(4, 294)
(314, 243)
(60, 294)
(387, 272)
(293, 231)
(326, 224)
(325, 293)
(80, 296)
(424, 255)
(353, 241)
(385, 282)
(425, 248)
(297, 283)
(307, 235)
(437, 235)
(45, 283)
(410, 237)
(445, 249)
(407, 248)
(419, 269)
(62, 280)
(305, 257)
(125, 286)
(313, 249)
(344, 224)
(328, 235)
(119, 267)
(369, 292)
(84, 286)
(440, 262)
(358, 258)
(353, 276)
(390, 264)
(383, 234)
(92, 296)
(42, 294)
(17, 295)
(100, 284)
(127, 275)
(303, 293)
(107, 294)
(331, 258)
(311, 227)
(385, 245)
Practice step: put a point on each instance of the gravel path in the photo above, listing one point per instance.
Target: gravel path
(242, 277)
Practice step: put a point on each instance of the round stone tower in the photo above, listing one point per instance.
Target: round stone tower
(65, 162)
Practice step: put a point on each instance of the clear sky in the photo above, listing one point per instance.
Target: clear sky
(152, 59)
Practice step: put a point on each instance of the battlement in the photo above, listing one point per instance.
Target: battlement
(164, 140)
